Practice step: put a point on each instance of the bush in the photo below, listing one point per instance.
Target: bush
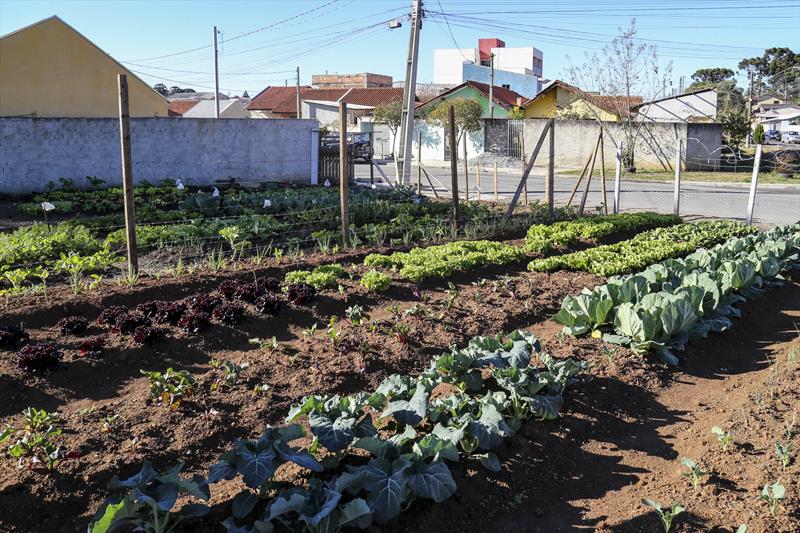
(759, 137)
(376, 281)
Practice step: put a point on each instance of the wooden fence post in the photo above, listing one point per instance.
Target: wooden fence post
(751, 202)
(603, 171)
(617, 176)
(127, 174)
(589, 160)
(466, 170)
(343, 198)
(419, 163)
(589, 176)
(453, 166)
(522, 162)
(528, 169)
(551, 170)
(676, 200)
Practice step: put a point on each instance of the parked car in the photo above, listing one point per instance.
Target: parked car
(360, 145)
(772, 135)
(790, 137)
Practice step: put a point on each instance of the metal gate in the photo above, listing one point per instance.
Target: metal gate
(516, 128)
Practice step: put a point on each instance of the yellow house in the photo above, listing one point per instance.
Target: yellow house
(562, 100)
(48, 69)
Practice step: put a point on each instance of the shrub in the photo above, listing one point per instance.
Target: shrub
(376, 281)
(38, 357)
(72, 324)
(759, 137)
(12, 336)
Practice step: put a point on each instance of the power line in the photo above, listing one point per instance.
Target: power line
(451, 33)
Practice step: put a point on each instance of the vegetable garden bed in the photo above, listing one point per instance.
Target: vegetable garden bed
(227, 353)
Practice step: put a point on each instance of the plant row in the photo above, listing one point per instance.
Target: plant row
(445, 259)
(542, 238)
(371, 454)
(662, 307)
(644, 249)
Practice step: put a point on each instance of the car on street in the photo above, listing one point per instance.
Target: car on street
(790, 137)
(772, 135)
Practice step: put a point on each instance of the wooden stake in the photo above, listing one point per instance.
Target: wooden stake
(343, 199)
(496, 198)
(589, 177)
(551, 170)
(453, 167)
(428, 177)
(592, 155)
(478, 181)
(603, 171)
(522, 160)
(127, 174)
(528, 168)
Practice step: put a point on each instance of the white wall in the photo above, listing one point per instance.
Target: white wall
(447, 64)
(519, 60)
(433, 142)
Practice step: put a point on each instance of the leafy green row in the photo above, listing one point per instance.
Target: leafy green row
(668, 303)
(496, 390)
(644, 249)
(38, 242)
(542, 238)
(322, 277)
(445, 259)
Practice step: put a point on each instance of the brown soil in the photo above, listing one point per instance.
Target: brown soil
(625, 427)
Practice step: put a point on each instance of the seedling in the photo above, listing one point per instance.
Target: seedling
(416, 310)
(230, 374)
(400, 331)
(695, 473)
(394, 310)
(667, 516)
(37, 440)
(725, 438)
(266, 345)
(216, 261)
(334, 334)
(452, 294)
(109, 422)
(171, 387)
(308, 333)
(260, 388)
(788, 425)
(784, 452)
(356, 314)
(773, 494)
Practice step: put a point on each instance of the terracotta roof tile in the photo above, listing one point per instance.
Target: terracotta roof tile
(373, 96)
(271, 97)
(288, 106)
(179, 107)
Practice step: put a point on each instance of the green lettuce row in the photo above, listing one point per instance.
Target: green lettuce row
(662, 307)
(445, 259)
(322, 277)
(542, 238)
(644, 249)
(496, 390)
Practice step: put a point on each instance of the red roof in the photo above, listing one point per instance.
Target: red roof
(373, 96)
(271, 97)
(289, 105)
(505, 97)
(179, 107)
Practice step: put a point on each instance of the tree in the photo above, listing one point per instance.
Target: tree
(735, 126)
(516, 113)
(161, 89)
(777, 70)
(390, 115)
(758, 135)
(712, 75)
(467, 113)
(624, 70)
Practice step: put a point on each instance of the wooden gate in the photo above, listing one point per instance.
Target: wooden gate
(329, 164)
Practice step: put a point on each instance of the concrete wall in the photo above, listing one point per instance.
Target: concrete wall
(655, 149)
(447, 64)
(201, 151)
(433, 139)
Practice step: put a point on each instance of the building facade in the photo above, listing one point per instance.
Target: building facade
(48, 69)
(364, 80)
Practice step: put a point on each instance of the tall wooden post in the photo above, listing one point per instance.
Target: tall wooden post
(453, 166)
(419, 163)
(551, 170)
(617, 176)
(343, 198)
(676, 199)
(751, 202)
(522, 162)
(466, 170)
(127, 173)
(603, 171)
(496, 196)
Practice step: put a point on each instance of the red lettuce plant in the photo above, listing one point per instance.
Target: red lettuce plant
(169, 312)
(229, 313)
(12, 336)
(128, 322)
(109, 315)
(300, 293)
(146, 334)
(193, 322)
(38, 357)
(203, 303)
(92, 347)
(72, 324)
(268, 304)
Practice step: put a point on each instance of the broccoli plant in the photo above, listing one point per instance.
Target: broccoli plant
(36, 438)
(695, 473)
(668, 515)
(724, 437)
(145, 501)
(773, 494)
(171, 387)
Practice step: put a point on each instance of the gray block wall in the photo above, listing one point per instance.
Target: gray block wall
(200, 151)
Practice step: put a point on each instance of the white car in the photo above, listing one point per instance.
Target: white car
(790, 137)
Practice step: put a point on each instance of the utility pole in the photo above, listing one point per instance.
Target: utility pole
(491, 86)
(216, 76)
(409, 93)
(749, 106)
(297, 95)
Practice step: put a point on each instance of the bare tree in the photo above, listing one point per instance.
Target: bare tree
(625, 73)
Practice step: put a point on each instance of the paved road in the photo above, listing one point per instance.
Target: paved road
(775, 204)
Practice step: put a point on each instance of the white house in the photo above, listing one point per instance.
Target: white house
(780, 117)
(696, 106)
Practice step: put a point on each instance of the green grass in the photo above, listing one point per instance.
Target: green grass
(716, 177)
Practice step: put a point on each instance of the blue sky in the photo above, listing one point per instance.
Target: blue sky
(349, 36)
